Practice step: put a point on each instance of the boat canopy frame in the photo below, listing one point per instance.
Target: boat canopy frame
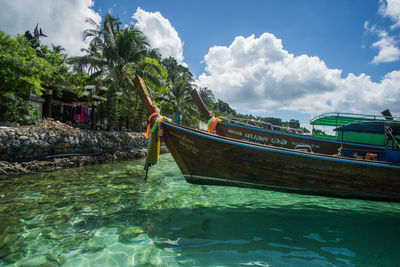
(337, 119)
(261, 124)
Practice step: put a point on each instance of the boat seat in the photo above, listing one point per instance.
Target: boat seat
(304, 148)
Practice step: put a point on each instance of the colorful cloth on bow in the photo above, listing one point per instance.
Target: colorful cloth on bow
(212, 124)
(155, 134)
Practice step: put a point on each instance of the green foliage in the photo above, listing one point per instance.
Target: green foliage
(21, 70)
(176, 71)
(207, 96)
(23, 73)
(17, 109)
(111, 108)
(223, 108)
(319, 132)
(154, 74)
(272, 120)
(295, 124)
(62, 78)
(179, 99)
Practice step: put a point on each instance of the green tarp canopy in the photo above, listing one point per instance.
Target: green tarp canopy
(374, 127)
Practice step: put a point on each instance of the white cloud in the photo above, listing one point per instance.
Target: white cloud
(160, 33)
(391, 9)
(388, 51)
(258, 73)
(63, 21)
(386, 45)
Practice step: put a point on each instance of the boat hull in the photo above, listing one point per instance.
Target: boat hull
(213, 160)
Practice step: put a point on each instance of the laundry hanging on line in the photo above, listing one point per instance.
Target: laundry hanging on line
(81, 113)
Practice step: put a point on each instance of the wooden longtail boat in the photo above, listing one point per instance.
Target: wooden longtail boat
(210, 159)
(241, 131)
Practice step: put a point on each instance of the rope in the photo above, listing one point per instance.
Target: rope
(390, 131)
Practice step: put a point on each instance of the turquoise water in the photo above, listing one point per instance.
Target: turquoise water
(109, 216)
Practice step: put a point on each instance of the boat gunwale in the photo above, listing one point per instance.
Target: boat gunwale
(302, 136)
(284, 150)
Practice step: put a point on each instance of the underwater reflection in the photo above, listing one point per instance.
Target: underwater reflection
(109, 216)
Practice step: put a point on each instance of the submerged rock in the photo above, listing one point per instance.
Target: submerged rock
(13, 257)
(95, 244)
(130, 233)
(35, 261)
(56, 258)
(7, 239)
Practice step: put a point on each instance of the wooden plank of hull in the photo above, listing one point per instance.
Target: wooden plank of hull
(287, 140)
(214, 160)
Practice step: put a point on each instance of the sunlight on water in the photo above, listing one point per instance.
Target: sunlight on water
(109, 216)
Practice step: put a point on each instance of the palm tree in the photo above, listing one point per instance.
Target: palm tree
(59, 50)
(207, 96)
(176, 71)
(180, 99)
(111, 49)
(116, 55)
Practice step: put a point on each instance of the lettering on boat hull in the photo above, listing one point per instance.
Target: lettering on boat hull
(264, 140)
(281, 142)
(257, 138)
(186, 142)
(267, 139)
(235, 132)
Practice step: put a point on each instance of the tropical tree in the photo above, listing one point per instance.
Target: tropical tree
(59, 49)
(179, 100)
(176, 71)
(223, 108)
(207, 96)
(117, 55)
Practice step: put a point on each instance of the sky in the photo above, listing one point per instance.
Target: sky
(292, 59)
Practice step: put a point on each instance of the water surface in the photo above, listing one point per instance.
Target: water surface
(109, 216)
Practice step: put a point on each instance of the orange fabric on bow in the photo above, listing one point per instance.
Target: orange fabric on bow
(213, 124)
(156, 112)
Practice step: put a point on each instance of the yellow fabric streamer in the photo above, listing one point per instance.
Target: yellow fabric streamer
(153, 153)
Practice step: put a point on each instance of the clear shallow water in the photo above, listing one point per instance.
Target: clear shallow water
(108, 216)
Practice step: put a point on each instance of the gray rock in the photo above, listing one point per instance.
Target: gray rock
(54, 138)
(95, 244)
(44, 136)
(23, 137)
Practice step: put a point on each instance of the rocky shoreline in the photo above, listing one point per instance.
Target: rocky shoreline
(53, 145)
